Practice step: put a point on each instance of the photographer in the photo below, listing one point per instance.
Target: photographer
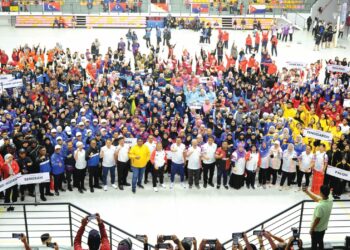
(25, 242)
(161, 239)
(248, 246)
(188, 243)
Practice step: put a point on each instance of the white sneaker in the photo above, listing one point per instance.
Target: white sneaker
(105, 188)
(114, 186)
(172, 185)
(184, 185)
(163, 186)
(155, 189)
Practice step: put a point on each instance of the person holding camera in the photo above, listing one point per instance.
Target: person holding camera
(162, 245)
(288, 166)
(321, 216)
(210, 245)
(46, 240)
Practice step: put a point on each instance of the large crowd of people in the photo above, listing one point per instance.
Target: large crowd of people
(223, 113)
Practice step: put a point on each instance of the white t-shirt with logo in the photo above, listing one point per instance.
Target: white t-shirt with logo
(208, 151)
(108, 156)
(123, 155)
(177, 157)
(194, 160)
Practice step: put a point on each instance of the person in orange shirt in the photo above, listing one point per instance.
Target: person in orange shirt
(272, 68)
(265, 39)
(225, 38)
(248, 44)
(243, 64)
(257, 42)
(274, 42)
(251, 63)
(230, 62)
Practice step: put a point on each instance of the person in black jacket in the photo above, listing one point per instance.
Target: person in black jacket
(334, 157)
(93, 159)
(69, 164)
(339, 184)
(25, 165)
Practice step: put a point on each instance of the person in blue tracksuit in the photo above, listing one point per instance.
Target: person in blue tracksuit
(44, 165)
(57, 168)
(92, 157)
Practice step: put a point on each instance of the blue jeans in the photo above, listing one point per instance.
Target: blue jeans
(105, 171)
(177, 169)
(137, 175)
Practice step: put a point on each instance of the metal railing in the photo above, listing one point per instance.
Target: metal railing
(60, 220)
(300, 216)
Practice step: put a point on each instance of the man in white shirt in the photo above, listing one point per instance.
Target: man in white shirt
(122, 152)
(306, 164)
(151, 144)
(208, 155)
(194, 164)
(178, 161)
(108, 155)
(80, 166)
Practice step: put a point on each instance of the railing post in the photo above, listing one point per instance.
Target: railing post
(301, 216)
(25, 222)
(110, 236)
(70, 225)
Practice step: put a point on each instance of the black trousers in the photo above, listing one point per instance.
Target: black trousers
(93, 177)
(29, 187)
(337, 186)
(273, 49)
(284, 37)
(250, 179)
(300, 176)
(193, 175)
(317, 240)
(273, 172)
(148, 170)
(286, 176)
(122, 170)
(58, 181)
(44, 188)
(208, 169)
(11, 191)
(222, 174)
(248, 49)
(263, 175)
(158, 174)
(80, 178)
(69, 177)
(148, 42)
(290, 37)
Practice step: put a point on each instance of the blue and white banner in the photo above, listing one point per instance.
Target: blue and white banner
(257, 9)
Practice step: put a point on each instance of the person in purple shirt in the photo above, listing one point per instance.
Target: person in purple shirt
(285, 32)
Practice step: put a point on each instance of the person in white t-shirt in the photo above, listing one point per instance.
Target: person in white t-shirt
(122, 155)
(253, 162)
(306, 164)
(178, 156)
(209, 161)
(194, 164)
(80, 166)
(288, 166)
(108, 155)
(159, 160)
(275, 161)
(151, 144)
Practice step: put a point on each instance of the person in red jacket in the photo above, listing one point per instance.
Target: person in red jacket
(8, 169)
(4, 59)
(96, 240)
(257, 42)
(274, 42)
(272, 68)
(248, 44)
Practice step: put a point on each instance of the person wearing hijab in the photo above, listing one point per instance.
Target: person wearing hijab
(238, 159)
(253, 162)
(264, 166)
(10, 168)
(288, 165)
(275, 155)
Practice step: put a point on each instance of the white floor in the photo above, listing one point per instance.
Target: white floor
(201, 213)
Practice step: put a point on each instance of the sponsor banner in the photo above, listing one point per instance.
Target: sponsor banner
(9, 182)
(339, 173)
(296, 65)
(338, 68)
(34, 178)
(131, 141)
(257, 9)
(346, 103)
(318, 134)
(12, 83)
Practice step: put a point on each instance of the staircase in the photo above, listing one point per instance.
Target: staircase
(227, 23)
(81, 21)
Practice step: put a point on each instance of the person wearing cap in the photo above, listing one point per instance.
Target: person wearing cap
(10, 168)
(92, 158)
(96, 240)
(139, 155)
(26, 167)
(80, 166)
(57, 167)
(275, 162)
(122, 152)
(78, 138)
(53, 136)
(43, 164)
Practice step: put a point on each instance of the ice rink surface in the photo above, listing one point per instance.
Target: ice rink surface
(201, 213)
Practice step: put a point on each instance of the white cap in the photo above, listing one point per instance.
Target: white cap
(103, 129)
(73, 120)
(95, 120)
(81, 124)
(79, 143)
(82, 110)
(68, 130)
(53, 130)
(7, 156)
(57, 147)
(78, 134)
(277, 142)
(58, 138)
(103, 121)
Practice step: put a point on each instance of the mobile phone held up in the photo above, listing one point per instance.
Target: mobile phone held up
(258, 232)
(51, 244)
(92, 217)
(167, 237)
(17, 236)
(211, 242)
(140, 237)
(237, 235)
(163, 246)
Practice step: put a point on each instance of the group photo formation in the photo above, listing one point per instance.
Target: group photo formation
(175, 110)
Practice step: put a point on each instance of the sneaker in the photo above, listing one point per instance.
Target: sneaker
(205, 185)
(183, 185)
(211, 184)
(57, 193)
(70, 189)
(172, 185)
(134, 191)
(163, 186)
(155, 189)
(114, 186)
(190, 186)
(253, 187)
(120, 187)
(226, 187)
(217, 187)
(198, 187)
(127, 184)
(81, 191)
(22, 198)
(105, 188)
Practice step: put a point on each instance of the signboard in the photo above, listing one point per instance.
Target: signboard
(296, 65)
(9, 182)
(12, 83)
(339, 173)
(131, 141)
(338, 68)
(34, 178)
(317, 134)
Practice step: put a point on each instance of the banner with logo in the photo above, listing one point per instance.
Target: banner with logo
(339, 173)
(338, 68)
(131, 141)
(9, 182)
(318, 134)
(34, 178)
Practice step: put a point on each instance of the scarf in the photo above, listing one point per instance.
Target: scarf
(264, 151)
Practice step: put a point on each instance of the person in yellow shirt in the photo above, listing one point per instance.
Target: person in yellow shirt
(139, 156)
(288, 110)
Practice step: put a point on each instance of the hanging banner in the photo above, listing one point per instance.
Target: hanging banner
(339, 173)
(34, 178)
(131, 141)
(296, 65)
(9, 182)
(317, 134)
(338, 68)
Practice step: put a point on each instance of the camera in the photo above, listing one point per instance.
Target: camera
(140, 237)
(190, 239)
(17, 236)
(163, 246)
(258, 232)
(236, 237)
(167, 237)
(295, 232)
(211, 242)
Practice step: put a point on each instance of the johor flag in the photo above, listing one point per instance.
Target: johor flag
(117, 7)
(200, 8)
(52, 6)
(257, 9)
